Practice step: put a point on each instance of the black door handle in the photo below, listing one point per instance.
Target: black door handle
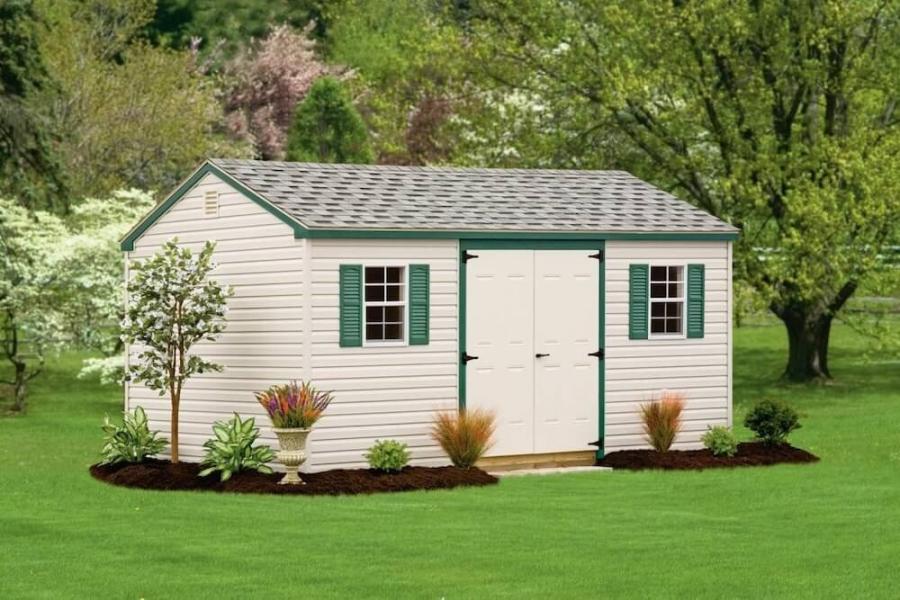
(598, 354)
(540, 355)
(466, 357)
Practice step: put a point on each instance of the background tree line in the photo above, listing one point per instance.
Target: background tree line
(776, 116)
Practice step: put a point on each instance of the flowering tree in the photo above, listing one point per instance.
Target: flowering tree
(30, 280)
(268, 80)
(172, 306)
(93, 294)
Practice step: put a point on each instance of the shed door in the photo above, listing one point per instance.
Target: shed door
(521, 305)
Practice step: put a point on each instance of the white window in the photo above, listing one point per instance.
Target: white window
(666, 300)
(385, 304)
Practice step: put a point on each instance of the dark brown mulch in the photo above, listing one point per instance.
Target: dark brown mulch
(749, 454)
(163, 475)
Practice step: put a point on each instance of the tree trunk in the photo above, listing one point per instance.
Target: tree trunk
(176, 400)
(807, 346)
(20, 386)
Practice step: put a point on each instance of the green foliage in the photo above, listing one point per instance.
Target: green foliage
(779, 118)
(409, 63)
(720, 440)
(232, 449)
(28, 168)
(389, 456)
(31, 280)
(327, 128)
(173, 305)
(131, 441)
(772, 421)
(133, 115)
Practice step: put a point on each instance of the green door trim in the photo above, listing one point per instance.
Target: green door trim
(526, 244)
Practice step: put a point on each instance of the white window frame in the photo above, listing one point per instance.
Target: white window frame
(683, 300)
(404, 294)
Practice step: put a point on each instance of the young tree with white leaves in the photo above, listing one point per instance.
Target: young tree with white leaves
(173, 305)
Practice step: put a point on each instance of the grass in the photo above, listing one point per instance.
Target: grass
(829, 529)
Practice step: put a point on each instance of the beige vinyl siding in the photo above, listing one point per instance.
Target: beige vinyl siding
(389, 391)
(637, 370)
(264, 341)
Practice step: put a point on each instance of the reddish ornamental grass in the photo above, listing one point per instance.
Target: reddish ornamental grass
(465, 436)
(662, 420)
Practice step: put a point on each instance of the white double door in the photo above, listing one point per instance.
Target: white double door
(532, 320)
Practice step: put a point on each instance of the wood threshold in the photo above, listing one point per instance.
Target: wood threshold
(578, 458)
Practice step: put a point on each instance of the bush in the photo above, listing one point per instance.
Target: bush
(465, 436)
(388, 455)
(662, 420)
(130, 442)
(232, 450)
(294, 404)
(720, 440)
(772, 421)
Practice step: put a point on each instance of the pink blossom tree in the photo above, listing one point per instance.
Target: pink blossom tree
(266, 81)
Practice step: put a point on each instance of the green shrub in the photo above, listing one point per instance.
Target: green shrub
(721, 441)
(130, 442)
(232, 449)
(388, 455)
(772, 421)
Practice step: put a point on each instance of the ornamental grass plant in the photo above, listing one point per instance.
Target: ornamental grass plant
(465, 436)
(294, 405)
(662, 420)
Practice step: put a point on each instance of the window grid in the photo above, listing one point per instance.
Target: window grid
(385, 304)
(667, 300)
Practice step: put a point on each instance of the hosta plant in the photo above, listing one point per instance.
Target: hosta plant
(388, 455)
(720, 440)
(232, 449)
(294, 405)
(662, 420)
(465, 435)
(131, 441)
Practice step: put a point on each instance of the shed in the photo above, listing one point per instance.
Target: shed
(558, 299)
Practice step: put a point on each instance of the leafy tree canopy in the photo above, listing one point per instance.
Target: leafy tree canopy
(779, 117)
(327, 128)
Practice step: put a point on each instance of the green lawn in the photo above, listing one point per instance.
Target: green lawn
(830, 529)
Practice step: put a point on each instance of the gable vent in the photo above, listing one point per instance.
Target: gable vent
(211, 204)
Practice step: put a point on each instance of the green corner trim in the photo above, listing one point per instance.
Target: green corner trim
(207, 168)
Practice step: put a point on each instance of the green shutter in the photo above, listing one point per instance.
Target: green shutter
(695, 300)
(351, 305)
(638, 296)
(419, 292)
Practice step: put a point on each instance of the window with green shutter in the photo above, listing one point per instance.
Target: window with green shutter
(696, 297)
(638, 293)
(419, 289)
(351, 305)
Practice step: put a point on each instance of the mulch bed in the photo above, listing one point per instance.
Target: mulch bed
(163, 475)
(749, 454)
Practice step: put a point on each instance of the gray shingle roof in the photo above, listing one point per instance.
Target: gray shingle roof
(325, 196)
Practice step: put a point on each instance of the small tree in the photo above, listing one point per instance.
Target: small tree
(30, 322)
(327, 127)
(172, 306)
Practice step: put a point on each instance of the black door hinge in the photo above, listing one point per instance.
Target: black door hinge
(466, 255)
(599, 255)
(599, 354)
(466, 357)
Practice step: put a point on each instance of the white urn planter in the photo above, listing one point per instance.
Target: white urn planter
(292, 452)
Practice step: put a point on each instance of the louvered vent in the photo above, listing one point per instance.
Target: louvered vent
(211, 204)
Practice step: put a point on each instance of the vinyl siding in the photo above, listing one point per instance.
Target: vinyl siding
(265, 338)
(637, 370)
(389, 391)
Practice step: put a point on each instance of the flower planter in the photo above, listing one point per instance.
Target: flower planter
(292, 452)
